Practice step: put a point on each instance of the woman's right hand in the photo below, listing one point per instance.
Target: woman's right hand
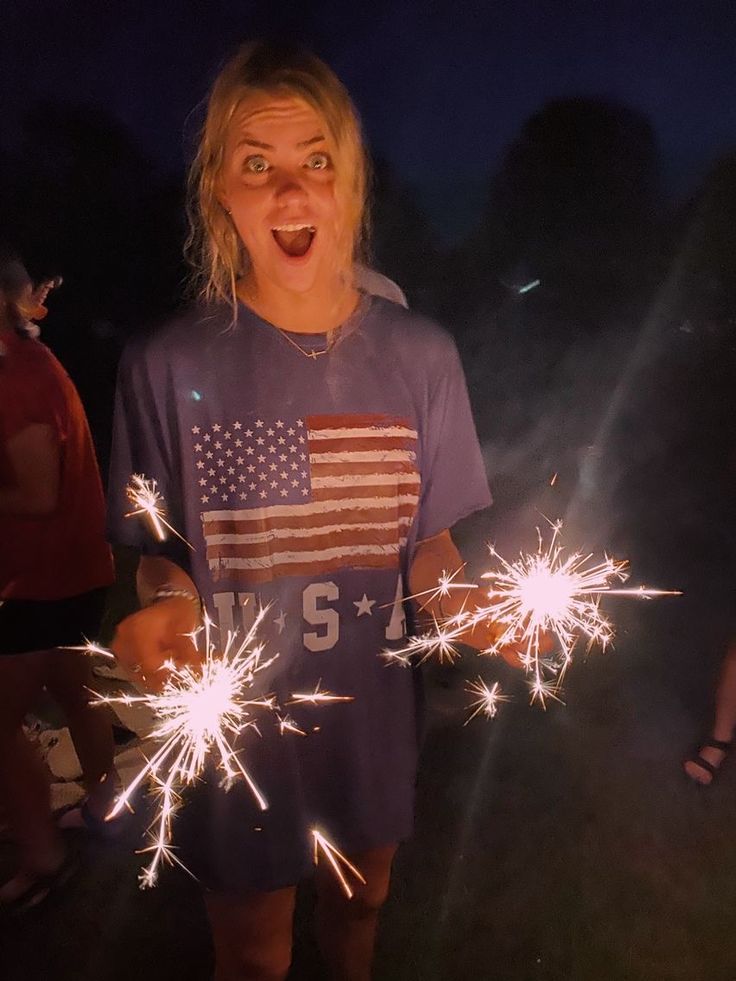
(162, 632)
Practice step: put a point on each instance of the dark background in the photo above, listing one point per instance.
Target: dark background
(590, 147)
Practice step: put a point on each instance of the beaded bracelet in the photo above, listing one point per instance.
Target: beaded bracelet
(167, 591)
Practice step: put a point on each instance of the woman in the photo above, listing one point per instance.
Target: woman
(314, 444)
(55, 566)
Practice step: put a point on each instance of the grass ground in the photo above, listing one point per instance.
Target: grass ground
(563, 845)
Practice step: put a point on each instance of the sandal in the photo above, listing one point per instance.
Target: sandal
(41, 887)
(87, 821)
(706, 765)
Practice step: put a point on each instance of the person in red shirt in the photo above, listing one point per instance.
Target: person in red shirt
(55, 566)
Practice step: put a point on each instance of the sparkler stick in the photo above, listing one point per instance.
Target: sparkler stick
(146, 499)
(337, 860)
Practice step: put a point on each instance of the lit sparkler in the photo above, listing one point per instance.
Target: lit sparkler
(543, 595)
(146, 499)
(200, 711)
(340, 864)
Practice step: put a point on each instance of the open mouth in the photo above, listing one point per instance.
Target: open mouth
(294, 240)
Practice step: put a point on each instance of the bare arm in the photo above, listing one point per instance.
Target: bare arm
(35, 460)
(434, 558)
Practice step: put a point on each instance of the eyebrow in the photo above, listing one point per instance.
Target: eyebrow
(249, 141)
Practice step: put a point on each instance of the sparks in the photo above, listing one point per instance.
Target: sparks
(487, 699)
(200, 711)
(146, 499)
(542, 597)
(337, 861)
(317, 697)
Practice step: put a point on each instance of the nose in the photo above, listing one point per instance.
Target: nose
(290, 190)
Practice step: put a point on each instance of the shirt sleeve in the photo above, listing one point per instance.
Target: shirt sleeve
(31, 398)
(144, 443)
(454, 482)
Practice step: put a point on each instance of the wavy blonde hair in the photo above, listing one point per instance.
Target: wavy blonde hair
(214, 249)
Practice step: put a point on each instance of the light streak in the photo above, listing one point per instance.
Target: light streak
(146, 499)
(337, 860)
(317, 697)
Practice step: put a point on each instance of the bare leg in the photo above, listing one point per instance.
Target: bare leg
(24, 789)
(346, 928)
(69, 679)
(724, 719)
(252, 935)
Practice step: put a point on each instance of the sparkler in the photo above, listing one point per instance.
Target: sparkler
(542, 595)
(146, 499)
(201, 709)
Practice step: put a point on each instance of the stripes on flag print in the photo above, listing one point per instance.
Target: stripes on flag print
(305, 497)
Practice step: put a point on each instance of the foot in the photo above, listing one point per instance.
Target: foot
(704, 767)
(87, 817)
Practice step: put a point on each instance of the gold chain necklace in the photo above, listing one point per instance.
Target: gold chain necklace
(331, 338)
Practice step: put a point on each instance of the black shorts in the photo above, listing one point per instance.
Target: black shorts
(39, 625)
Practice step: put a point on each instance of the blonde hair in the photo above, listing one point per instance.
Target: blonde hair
(214, 249)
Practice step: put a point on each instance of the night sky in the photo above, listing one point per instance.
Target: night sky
(443, 88)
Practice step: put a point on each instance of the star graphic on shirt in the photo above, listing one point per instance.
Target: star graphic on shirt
(200, 465)
(259, 423)
(300, 422)
(248, 433)
(195, 430)
(364, 606)
(262, 494)
(270, 432)
(197, 447)
(238, 442)
(280, 621)
(237, 425)
(204, 499)
(226, 435)
(216, 428)
(290, 431)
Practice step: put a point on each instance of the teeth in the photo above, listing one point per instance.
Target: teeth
(291, 228)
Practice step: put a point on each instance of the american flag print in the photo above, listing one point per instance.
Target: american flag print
(301, 497)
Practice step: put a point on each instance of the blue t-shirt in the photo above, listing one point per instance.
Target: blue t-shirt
(303, 482)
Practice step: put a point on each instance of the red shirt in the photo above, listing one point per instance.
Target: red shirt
(64, 553)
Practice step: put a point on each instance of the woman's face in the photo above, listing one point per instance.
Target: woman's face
(278, 182)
